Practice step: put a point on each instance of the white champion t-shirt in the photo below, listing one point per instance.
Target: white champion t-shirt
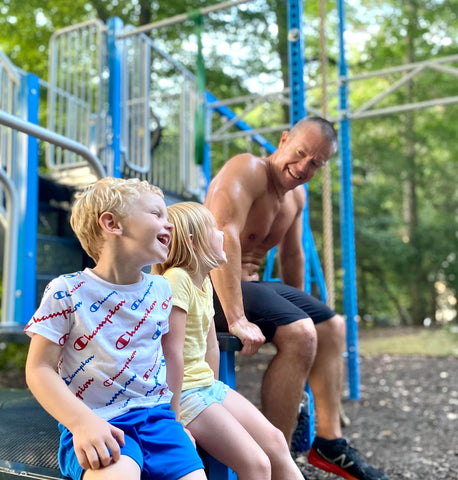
(110, 337)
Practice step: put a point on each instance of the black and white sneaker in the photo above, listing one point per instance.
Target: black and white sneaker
(337, 457)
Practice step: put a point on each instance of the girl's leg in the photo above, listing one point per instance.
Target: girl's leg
(124, 468)
(270, 438)
(222, 436)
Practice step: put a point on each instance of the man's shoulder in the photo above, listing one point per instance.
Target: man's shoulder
(246, 160)
(243, 169)
(298, 194)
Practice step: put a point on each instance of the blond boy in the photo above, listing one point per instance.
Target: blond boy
(97, 356)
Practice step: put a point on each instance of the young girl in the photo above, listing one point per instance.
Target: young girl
(222, 421)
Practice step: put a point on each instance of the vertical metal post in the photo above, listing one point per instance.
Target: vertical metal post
(206, 167)
(114, 98)
(297, 110)
(347, 232)
(216, 470)
(26, 181)
(7, 300)
(296, 61)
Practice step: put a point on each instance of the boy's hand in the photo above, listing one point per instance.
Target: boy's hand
(97, 443)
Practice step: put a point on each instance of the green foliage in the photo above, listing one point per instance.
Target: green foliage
(13, 356)
(26, 28)
(405, 239)
(405, 243)
(389, 262)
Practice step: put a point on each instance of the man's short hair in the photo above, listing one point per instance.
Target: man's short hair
(109, 194)
(327, 129)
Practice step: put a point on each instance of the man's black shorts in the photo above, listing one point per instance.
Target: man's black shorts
(269, 304)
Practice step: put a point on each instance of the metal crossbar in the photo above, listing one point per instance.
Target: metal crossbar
(408, 72)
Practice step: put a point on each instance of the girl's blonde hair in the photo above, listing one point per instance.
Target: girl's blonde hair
(189, 219)
(109, 194)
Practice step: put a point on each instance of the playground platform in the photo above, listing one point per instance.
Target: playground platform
(29, 436)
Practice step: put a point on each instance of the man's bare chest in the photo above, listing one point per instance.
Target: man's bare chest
(267, 223)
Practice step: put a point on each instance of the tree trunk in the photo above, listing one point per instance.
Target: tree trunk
(417, 301)
(146, 12)
(404, 317)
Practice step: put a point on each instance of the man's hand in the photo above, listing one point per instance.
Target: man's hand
(97, 443)
(249, 334)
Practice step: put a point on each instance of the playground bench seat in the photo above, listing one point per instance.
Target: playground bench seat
(30, 438)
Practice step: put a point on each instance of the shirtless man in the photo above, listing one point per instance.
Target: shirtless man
(258, 203)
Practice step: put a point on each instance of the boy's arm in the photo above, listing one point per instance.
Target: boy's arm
(212, 354)
(172, 345)
(93, 437)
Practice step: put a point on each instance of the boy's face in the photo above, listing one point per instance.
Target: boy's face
(146, 229)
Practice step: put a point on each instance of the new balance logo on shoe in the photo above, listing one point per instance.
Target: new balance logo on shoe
(337, 457)
(340, 460)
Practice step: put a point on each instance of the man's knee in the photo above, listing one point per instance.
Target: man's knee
(332, 332)
(298, 338)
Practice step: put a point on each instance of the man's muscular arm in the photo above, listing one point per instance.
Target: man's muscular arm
(291, 253)
(230, 196)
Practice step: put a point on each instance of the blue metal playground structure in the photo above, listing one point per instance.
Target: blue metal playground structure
(109, 101)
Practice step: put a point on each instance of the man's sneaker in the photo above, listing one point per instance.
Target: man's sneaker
(337, 457)
(302, 436)
(299, 440)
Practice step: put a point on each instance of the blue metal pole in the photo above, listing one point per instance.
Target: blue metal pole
(347, 232)
(113, 165)
(240, 124)
(317, 272)
(207, 161)
(296, 60)
(26, 180)
(297, 110)
(267, 275)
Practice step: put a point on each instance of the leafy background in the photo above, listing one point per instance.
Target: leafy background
(404, 168)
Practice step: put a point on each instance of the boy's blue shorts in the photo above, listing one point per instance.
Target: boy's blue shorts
(153, 438)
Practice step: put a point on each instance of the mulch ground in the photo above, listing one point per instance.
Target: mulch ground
(406, 421)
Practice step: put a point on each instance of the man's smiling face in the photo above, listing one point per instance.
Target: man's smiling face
(300, 155)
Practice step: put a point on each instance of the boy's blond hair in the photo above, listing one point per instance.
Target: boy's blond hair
(189, 218)
(109, 194)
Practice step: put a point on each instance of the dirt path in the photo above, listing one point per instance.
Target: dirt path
(406, 421)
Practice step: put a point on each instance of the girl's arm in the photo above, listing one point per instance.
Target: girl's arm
(172, 345)
(212, 355)
(93, 437)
